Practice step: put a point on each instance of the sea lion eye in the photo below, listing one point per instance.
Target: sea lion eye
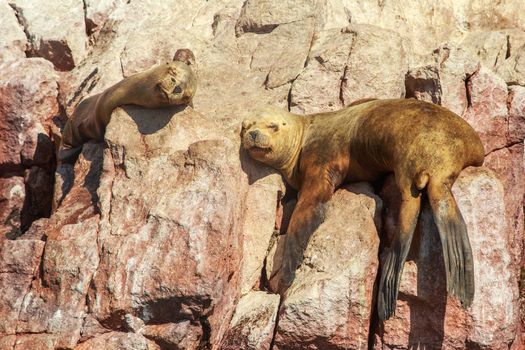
(273, 126)
(246, 124)
(177, 89)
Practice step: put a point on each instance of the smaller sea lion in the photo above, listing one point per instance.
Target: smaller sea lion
(167, 84)
(424, 145)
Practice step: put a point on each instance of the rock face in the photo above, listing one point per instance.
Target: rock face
(425, 316)
(162, 237)
(333, 289)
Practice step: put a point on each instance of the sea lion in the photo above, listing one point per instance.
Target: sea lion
(426, 147)
(167, 84)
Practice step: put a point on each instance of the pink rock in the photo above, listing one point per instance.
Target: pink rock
(12, 192)
(508, 164)
(13, 42)
(425, 315)
(487, 111)
(36, 342)
(329, 304)
(19, 263)
(118, 341)
(442, 81)
(28, 102)
(281, 54)
(335, 73)
(55, 302)
(252, 325)
(323, 74)
(162, 261)
(56, 30)
(516, 103)
(386, 79)
(182, 335)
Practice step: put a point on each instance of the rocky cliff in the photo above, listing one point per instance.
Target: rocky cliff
(160, 237)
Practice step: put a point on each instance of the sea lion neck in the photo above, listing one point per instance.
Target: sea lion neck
(289, 166)
(118, 95)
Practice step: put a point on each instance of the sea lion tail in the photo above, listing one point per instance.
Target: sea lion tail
(457, 253)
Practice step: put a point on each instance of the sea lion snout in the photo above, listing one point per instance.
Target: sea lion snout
(254, 134)
(256, 138)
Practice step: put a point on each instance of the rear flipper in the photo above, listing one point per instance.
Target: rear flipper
(393, 258)
(457, 253)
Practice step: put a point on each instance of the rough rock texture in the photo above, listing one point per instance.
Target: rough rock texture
(253, 323)
(28, 104)
(56, 30)
(425, 316)
(13, 41)
(162, 236)
(333, 288)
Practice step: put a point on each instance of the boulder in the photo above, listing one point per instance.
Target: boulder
(13, 42)
(253, 323)
(330, 302)
(335, 69)
(425, 316)
(56, 30)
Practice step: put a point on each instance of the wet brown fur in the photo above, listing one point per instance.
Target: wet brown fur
(167, 84)
(424, 145)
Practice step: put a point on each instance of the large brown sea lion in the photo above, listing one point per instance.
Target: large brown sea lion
(424, 145)
(167, 84)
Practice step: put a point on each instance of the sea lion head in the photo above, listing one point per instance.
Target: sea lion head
(178, 84)
(270, 136)
(186, 56)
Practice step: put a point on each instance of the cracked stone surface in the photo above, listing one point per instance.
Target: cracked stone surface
(162, 236)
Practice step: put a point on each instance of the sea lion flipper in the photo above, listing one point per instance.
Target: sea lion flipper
(308, 214)
(69, 155)
(393, 258)
(457, 253)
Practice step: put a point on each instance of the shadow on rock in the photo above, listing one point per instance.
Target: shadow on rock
(148, 125)
(422, 295)
(91, 158)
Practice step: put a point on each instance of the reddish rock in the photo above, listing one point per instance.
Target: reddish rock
(265, 16)
(516, 104)
(252, 325)
(259, 221)
(425, 315)
(182, 335)
(509, 166)
(487, 111)
(19, 263)
(118, 341)
(55, 301)
(12, 195)
(36, 342)
(442, 79)
(28, 102)
(161, 261)
(329, 304)
(502, 51)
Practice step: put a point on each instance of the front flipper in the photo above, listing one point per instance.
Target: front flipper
(307, 216)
